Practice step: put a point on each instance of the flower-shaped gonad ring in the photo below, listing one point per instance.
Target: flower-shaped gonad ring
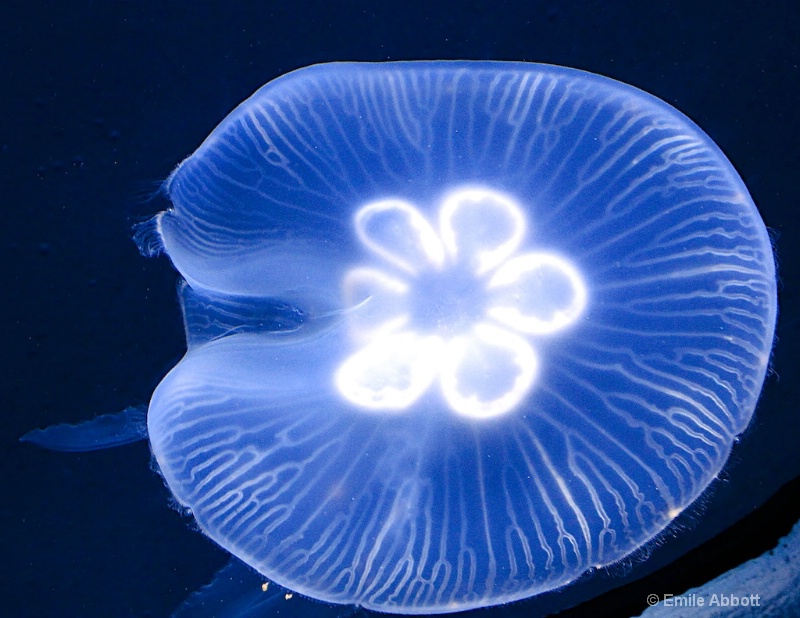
(461, 306)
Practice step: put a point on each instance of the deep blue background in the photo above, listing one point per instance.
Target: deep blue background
(100, 100)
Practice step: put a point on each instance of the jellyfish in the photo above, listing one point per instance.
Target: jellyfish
(459, 333)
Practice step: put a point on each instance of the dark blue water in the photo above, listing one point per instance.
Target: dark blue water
(101, 100)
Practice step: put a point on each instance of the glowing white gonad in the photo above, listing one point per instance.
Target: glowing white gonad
(392, 372)
(400, 234)
(485, 362)
(533, 284)
(490, 246)
(465, 364)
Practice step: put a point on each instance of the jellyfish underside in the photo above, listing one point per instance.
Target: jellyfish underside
(459, 332)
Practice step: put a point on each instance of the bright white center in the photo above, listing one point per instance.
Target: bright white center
(461, 304)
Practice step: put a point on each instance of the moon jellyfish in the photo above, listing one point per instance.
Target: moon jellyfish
(458, 332)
